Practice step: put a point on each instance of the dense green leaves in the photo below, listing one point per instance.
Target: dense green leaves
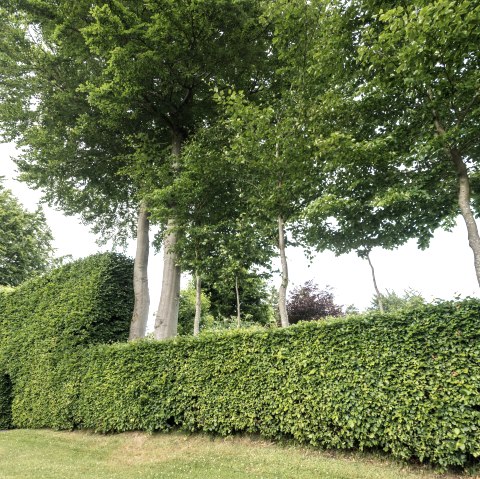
(216, 236)
(82, 302)
(44, 320)
(186, 310)
(418, 113)
(68, 150)
(405, 382)
(162, 56)
(356, 117)
(256, 307)
(364, 114)
(391, 301)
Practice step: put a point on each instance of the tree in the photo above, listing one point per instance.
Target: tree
(69, 150)
(25, 241)
(217, 241)
(272, 137)
(423, 61)
(364, 195)
(263, 144)
(267, 141)
(188, 322)
(309, 303)
(160, 62)
(379, 297)
(157, 90)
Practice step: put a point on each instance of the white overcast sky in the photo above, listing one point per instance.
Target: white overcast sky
(444, 271)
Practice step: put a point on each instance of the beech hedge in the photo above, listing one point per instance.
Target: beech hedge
(44, 321)
(406, 382)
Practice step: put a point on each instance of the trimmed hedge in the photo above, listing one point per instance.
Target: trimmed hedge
(407, 382)
(45, 320)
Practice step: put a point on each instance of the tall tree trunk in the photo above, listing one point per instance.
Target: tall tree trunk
(237, 294)
(463, 197)
(166, 319)
(377, 291)
(282, 291)
(465, 209)
(138, 326)
(198, 304)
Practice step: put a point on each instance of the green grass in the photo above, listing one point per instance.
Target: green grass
(49, 454)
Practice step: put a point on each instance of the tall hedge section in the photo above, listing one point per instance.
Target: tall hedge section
(46, 320)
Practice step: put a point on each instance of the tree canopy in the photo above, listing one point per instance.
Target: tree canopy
(68, 151)
(244, 126)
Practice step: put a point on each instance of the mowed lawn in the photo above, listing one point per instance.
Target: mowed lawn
(26, 454)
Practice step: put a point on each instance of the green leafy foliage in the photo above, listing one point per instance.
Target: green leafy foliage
(219, 306)
(404, 382)
(68, 149)
(25, 241)
(217, 237)
(391, 301)
(254, 297)
(186, 310)
(43, 321)
(411, 134)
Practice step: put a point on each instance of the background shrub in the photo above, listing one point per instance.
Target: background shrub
(186, 310)
(309, 303)
(254, 298)
(391, 301)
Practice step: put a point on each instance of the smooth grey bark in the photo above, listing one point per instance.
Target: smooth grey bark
(138, 326)
(282, 291)
(464, 197)
(237, 294)
(377, 291)
(166, 319)
(198, 304)
(465, 209)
